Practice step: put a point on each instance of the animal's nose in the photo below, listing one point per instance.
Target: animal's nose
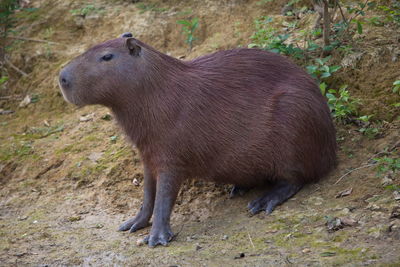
(64, 79)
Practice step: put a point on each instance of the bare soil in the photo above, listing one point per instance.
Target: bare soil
(68, 177)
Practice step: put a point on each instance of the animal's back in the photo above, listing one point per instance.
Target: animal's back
(267, 121)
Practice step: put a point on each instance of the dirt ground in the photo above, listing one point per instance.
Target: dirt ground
(69, 178)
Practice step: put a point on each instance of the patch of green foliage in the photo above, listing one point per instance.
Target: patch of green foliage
(86, 10)
(3, 80)
(188, 28)
(17, 150)
(149, 7)
(341, 104)
(387, 163)
(320, 70)
(266, 37)
(367, 129)
(396, 87)
(7, 21)
(392, 12)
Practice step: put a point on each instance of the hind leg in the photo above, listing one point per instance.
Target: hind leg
(279, 193)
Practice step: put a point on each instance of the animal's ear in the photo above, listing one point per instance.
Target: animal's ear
(126, 35)
(134, 48)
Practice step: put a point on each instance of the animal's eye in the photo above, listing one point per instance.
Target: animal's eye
(107, 57)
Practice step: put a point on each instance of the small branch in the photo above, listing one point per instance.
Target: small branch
(15, 68)
(251, 241)
(31, 40)
(357, 14)
(347, 173)
(341, 12)
(10, 97)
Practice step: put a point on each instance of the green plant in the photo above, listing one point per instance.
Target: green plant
(3, 80)
(188, 28)
(7, 9)
(368, 129)
(149, 7)
(387, 164)
(266, 37)
(396, 87)
(320, 70)
(341, 104)
(392, 12)
(86, 10)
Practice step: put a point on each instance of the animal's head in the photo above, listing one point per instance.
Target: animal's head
(99, 75)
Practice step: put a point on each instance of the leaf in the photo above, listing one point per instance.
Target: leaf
(396, 82)
(322, 87)
(311, 69)
(327, 254)
(184, 22)
(330, 96)
(334, 68)
(344, 193)
(325, 75)
(359, 27)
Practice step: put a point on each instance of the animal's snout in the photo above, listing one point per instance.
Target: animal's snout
(65, 79)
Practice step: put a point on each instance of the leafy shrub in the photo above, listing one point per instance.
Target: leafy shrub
(341, 104)
(86, 10)
(188, 28)
(266, 37)
(367, 129)
(387, 164)
(320, 70)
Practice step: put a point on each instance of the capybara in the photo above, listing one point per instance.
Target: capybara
(242, 116)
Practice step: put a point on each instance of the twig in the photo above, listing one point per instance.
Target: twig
(31, 39)
(15, 68)
(251, 241)
(8, 97)
(341, 12)
(347, 173)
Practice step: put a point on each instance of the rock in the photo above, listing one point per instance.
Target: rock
(95, 156)
(335, 224)
(74, 218)
(306, 250)
(136, 182)
(386, 181)
(348, 221)
(140, 242)
(87, 117)
(344, 193)
(395, 214)
(396, 195)
(224, 237)
(27, 100)
(241, 255)
(22, 218)
(374, 207)
(5, 112)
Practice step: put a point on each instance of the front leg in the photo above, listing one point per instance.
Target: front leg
(142, 219)
(167, 190)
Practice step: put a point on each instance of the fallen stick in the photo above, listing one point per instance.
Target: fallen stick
(15, 68)
(347, 173)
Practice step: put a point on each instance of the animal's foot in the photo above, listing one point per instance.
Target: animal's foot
(159, 237)
(134, 224)
(281, 192)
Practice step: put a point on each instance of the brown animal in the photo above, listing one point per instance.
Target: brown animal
(241, 116)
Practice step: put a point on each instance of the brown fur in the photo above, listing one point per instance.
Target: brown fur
(240, 116)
